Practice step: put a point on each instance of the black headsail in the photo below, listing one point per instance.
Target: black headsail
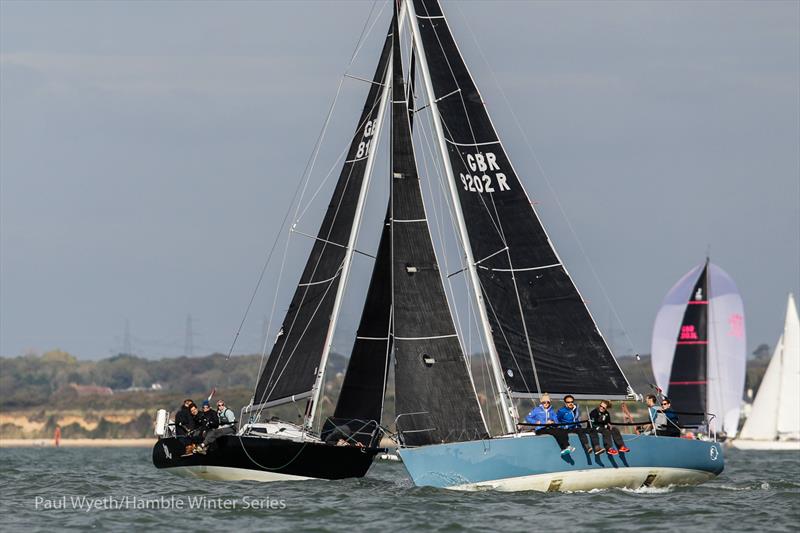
(544, 336)
(435, 398)
(360, 403)
(688, 379)
(294, 362)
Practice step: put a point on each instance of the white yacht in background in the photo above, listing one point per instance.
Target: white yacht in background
(774, 421)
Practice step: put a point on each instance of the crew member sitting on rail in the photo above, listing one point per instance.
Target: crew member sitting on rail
(569, 418)
(227, 426)
(600, 419)
(210, 418)
(546, 423)
(184, 424)
(667, 422)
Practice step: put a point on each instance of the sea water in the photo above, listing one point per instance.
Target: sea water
(118, 489)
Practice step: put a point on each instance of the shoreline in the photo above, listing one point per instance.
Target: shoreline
(77, 443)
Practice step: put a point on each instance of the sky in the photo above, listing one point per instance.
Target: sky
(149, 151)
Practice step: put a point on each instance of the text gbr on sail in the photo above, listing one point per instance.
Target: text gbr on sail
(481, 163)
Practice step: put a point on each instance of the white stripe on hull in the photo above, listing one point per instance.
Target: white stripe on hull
(598, 478)
(766, 445)
(226, 473)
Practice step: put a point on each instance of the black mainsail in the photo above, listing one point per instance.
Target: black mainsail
(294, 364)
(688, 381)
(543, 334)
(435, 399)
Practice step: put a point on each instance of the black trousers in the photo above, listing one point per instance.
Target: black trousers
(669, 431)
(559, 434)
(611, 437)
(582, 436)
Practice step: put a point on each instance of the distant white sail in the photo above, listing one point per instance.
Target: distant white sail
(789, 409)
(777, 403)
(762, 424)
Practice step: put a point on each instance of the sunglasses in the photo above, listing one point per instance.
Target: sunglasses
(543, 403)
(664, 403)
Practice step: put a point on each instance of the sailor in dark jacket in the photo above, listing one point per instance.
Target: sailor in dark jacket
(199, 420)
(184, 423)
(600, 419)
(209, 420)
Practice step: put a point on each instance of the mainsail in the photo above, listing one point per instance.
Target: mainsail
(688, 379)
(542, 332)
(435, 399)
(714, 334)
(296, 360)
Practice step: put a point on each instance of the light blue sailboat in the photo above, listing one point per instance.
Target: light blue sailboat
(539, 334)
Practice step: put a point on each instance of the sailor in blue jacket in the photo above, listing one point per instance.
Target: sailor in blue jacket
(545, 415)
(569, 418)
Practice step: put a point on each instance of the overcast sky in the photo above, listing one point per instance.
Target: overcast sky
(148, 151)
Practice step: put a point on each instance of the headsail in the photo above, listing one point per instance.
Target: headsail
(435, 399)
(294, 362)
(543, 333)
(360, 401)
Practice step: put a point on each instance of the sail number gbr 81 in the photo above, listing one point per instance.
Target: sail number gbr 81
(363, 146)
(481, 163)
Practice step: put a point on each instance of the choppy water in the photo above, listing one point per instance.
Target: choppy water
(758, 491)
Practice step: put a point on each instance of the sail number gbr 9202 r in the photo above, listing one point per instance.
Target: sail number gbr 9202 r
(480, 180)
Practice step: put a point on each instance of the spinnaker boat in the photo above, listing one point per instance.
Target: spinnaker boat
(698, 351)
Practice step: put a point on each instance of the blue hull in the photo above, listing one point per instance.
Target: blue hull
(530, 462)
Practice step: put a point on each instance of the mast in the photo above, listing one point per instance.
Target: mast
(508, 410)
(316, 391)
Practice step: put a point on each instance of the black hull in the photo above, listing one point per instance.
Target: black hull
(266, 459)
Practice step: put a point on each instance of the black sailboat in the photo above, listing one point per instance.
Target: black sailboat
(294, 371)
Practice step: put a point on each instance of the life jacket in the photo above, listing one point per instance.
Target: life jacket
(223, 417)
